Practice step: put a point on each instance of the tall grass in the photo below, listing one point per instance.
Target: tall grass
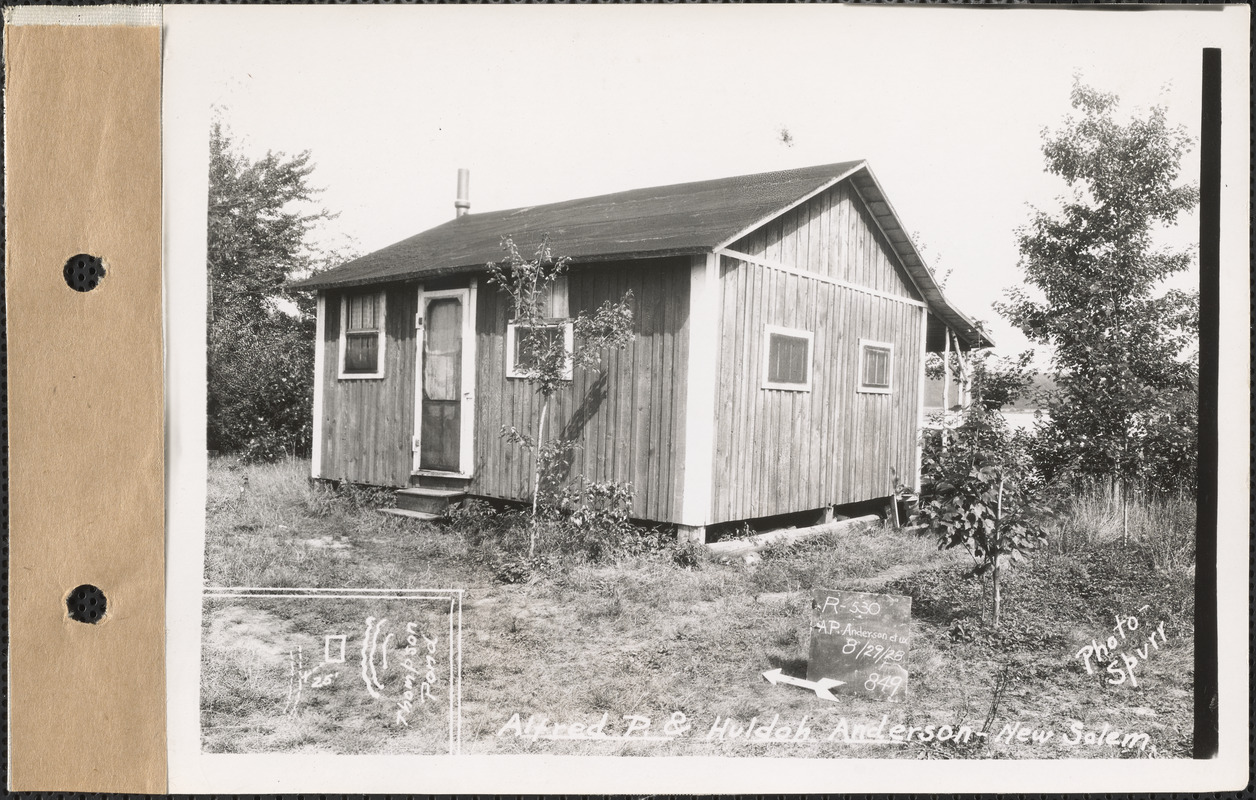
(268, 525)
(1163, 525)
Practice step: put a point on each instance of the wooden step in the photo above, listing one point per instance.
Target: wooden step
(429, 501)
(439, 480)
(402, 512)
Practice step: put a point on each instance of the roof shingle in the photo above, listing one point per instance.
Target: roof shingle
(661, 220)
(684, 218)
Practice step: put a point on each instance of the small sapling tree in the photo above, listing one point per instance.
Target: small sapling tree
(975, 494)
(544, 355)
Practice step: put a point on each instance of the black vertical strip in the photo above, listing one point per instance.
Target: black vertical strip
(1206, 733)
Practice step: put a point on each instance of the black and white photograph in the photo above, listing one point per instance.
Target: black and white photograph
(749, 390)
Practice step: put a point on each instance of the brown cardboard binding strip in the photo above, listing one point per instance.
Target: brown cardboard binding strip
(83, 163)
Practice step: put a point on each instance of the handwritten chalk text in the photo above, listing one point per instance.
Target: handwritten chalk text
(419, 678)
(1131, 648)
(787, 730)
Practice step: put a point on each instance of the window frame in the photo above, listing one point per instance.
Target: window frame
(862, 386)
(513, 371)
(797, 333)
(557, 295)
(381, 307)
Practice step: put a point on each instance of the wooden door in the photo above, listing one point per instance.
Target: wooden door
(440, 433)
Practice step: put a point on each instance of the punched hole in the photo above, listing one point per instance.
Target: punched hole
(83, 272)
(86, 604)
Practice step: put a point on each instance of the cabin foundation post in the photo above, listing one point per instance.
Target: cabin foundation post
(695, 534)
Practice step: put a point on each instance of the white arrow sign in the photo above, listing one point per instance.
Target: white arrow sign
(820, 687)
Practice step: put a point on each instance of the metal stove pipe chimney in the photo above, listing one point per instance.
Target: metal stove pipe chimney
(462, 205)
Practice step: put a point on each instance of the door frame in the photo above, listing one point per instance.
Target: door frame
(466, 434)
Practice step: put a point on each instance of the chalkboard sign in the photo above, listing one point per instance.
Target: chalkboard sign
(861, 639)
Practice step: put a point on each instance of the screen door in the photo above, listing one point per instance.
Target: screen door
(441, 417)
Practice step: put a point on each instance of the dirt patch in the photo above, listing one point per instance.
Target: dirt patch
(326, 543)
(242, 628)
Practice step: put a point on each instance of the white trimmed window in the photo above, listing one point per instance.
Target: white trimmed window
(876, 366)
(362, 335)
(787, 359)
(523, 342)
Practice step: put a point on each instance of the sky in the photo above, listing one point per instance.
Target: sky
(544, 104)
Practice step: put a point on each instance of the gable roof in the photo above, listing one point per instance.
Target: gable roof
(680, 219)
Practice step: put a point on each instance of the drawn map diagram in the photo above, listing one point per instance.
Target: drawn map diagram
(341, 670)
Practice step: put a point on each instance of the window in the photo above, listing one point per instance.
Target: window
(876, 365)
(787, 355)
(553, 300)
(362, 335)
(525, 342)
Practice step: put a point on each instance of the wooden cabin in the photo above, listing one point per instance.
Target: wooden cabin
(776, 367)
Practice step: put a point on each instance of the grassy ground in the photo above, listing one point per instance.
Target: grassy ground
(644, 638)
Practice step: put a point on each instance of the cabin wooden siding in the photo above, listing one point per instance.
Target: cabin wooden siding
(781, 451)
(833, 234)
(628, 420)
(368, 423)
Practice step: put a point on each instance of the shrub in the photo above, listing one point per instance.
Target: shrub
(587, 522)
(592, 519)
(478, 522)
(688, 555)
(260, 394)
(513, 570)
(361, 496)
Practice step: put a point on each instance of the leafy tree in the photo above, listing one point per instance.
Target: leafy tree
(1122, 355)
(261, 336)
(542, 346)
